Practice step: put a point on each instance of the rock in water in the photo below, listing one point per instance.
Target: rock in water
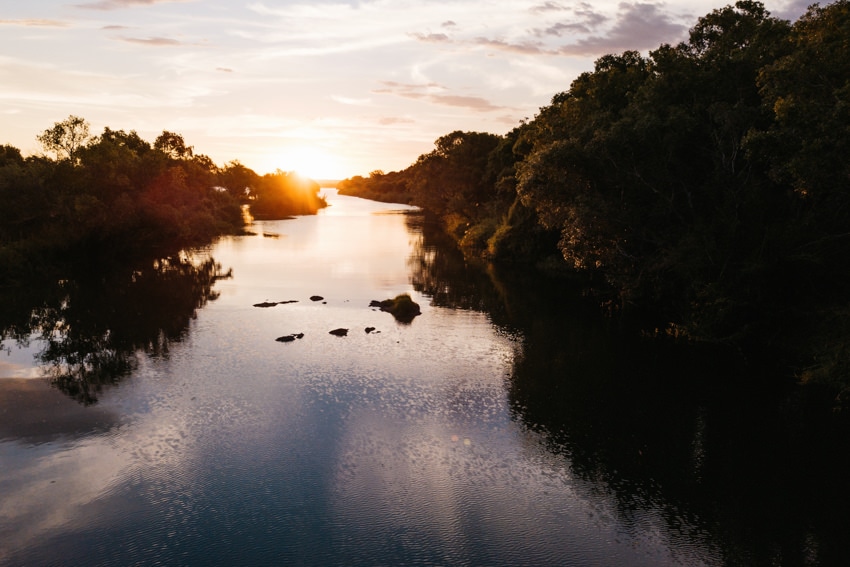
(339, 332)
(290, 338)
(402, 307)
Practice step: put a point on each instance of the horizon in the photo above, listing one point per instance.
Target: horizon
(353, 89)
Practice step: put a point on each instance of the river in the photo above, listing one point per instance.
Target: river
(151, 417)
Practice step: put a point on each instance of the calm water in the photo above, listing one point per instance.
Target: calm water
(507, 425)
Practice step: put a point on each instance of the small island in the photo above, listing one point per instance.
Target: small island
(402, 307)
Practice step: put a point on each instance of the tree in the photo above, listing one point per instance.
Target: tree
(173, 145)
(451, 178)
(10, 155)
(240, 181)
(808, 93)
(66, 137)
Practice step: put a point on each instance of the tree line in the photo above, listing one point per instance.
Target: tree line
(116, 195)
(702, 191)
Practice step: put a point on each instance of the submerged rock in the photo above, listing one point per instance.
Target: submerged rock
(273, 303)
(339, 332)
(402, 307)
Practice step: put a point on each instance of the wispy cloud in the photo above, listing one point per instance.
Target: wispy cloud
(436, 94)
(470, 102)
(393, 120)
(152, 41)
(525, 48)
(547, 7)
(582, 19)
(35, 23)
(119, 4)
(351, 101)
(431, 37)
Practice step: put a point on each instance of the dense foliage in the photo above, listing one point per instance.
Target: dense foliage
(379, 186)
(702, 189)
(115, 195)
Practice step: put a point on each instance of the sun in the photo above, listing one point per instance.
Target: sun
(312, 162)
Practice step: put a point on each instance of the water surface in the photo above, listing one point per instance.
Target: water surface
(492, 430)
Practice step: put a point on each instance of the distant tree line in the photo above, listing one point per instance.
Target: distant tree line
(116, 195)
(702, 190)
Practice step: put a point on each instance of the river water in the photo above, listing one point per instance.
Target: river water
(150, 417)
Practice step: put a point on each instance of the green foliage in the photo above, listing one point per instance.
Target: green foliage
(402, 307)
(451, 177)
(389, 187)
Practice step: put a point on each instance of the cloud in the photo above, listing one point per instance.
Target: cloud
(351, 101)
(793, 10)
(35, 23)
(435, 94)
(584, 20)
(526, 48)
(224, 69)
(153, 41)
(470, 102)
(432, 37)
(120, 4)
(392, 120)
(115, 27)
(448, 24)
(547, 7)
(637, 26)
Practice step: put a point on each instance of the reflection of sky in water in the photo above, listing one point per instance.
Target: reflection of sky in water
(391, 447)
(17, 361)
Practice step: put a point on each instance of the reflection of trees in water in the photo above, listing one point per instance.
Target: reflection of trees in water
(681, 435)
(439, 270)
(93, 325)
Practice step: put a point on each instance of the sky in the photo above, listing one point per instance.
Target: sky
(330, 89)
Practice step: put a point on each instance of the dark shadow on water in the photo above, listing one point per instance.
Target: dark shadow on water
(744, 467)
(91, 325)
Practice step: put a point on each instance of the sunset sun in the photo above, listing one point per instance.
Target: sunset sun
(311, 162)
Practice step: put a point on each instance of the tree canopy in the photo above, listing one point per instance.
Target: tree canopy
(701, 189)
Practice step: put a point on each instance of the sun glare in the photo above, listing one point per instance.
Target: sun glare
(309, 162)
